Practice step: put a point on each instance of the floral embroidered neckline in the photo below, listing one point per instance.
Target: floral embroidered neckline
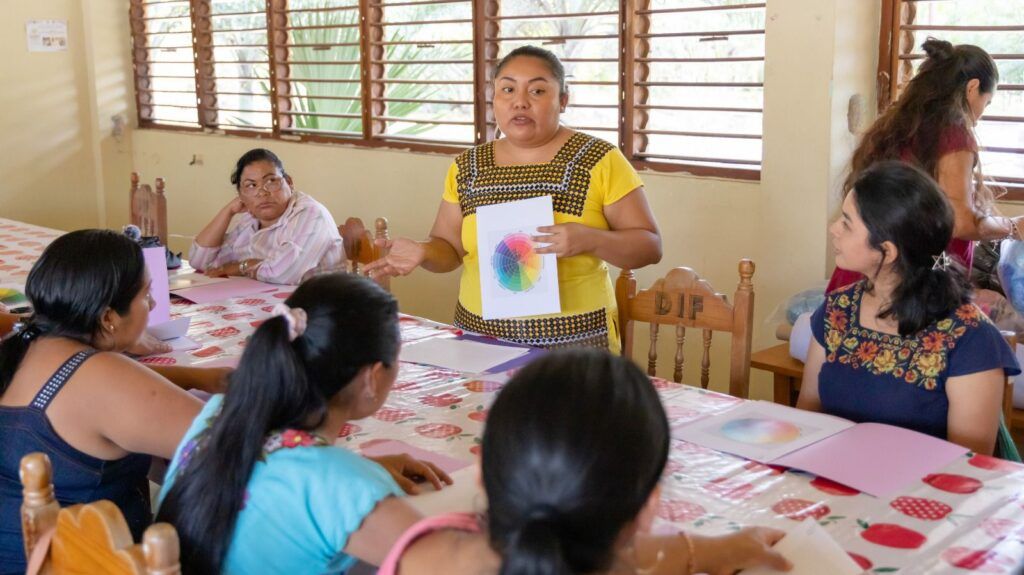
(920, 359)
(291, 438)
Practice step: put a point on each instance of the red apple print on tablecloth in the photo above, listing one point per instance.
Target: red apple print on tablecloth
(800, 509)
(679, 511)
(236, 315)
(920, 508)
(892, 535)
(441, 400)
(760, 467)
(406, 385)
(267, 308)
(252, 301)
(475, 450)
(681, 446)
(730, 488)
(208, 351)
(993, 463)
(212, 309)
(224, 332)
(978, 560)
(1002, 528)
(479, 386)
(390, 415)
(660, 383)
(282, 295)
(26, 258)
(438, 430)
(349, 430)
(257, 323)
(952, 483)
(672, 467)
(833, 488)
(479, 415)
(158, 360)
(861, 560)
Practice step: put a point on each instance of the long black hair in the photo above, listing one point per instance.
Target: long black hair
(901, 204)
(352, 324)
(574, 445)
(934, 100)
(80, 276)
(251, 157)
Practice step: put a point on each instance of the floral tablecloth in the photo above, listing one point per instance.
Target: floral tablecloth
(967, 517)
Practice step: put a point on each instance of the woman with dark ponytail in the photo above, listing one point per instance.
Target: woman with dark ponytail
(905, 346)
(573, 451)
(931, 126)
(256, 485)
(67, 390)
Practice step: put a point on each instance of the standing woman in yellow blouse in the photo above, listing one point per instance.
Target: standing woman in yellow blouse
(601, 213)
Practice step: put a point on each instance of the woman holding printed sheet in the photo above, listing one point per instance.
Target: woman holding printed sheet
(601, 215)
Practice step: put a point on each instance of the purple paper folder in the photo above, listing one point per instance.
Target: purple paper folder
(875, 458)
(233, 287)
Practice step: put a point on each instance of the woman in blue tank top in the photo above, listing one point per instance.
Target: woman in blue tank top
(67, 391)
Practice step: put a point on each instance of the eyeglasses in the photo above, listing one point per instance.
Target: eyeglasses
(269, 185)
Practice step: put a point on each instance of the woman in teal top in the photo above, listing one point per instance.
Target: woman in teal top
(256, 485)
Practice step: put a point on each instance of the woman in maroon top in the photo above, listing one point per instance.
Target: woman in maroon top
(932, 127)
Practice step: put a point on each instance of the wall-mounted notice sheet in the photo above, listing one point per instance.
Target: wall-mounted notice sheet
(47, 35)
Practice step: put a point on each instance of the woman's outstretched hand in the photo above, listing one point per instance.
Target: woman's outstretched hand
(404, 255)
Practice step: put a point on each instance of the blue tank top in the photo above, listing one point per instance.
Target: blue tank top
(77, 477)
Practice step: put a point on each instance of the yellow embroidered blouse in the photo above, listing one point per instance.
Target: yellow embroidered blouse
(585, 175)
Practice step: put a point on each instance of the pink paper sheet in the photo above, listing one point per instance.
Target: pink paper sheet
(394, 447)
(875, 458)
(220, 291)
(156, 263)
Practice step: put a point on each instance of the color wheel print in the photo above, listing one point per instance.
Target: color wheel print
(759, 431)
(516, 264)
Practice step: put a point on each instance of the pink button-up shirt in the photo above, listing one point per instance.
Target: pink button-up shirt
(303, 242)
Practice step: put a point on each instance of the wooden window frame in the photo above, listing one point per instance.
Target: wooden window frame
(892, 63)
(634, 22)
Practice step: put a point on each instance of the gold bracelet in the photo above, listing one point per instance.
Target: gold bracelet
(1014, 232)
(243, 267)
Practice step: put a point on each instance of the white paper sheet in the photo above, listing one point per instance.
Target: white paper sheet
(191, 280)
(812, 551)
(761, 430)
(516, 281)
(459, 355)
(172, 329)
(464, 495)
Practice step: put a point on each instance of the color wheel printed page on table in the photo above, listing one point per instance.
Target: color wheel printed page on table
(875, 458)
(515, 280)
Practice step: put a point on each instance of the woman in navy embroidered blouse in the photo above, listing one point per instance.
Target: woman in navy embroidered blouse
(905, 346)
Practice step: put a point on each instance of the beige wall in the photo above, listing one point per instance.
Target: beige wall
(57, 144)
(46, 156)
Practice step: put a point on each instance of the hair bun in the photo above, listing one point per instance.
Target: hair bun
(938, 49)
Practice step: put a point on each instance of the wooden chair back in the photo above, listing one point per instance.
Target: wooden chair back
(89, 538)
(149, 208)
(684, 300)
(360, 245)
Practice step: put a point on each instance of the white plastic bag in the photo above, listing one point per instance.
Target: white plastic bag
(1011, 272)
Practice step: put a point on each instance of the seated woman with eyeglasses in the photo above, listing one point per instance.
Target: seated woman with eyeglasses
(281, 236)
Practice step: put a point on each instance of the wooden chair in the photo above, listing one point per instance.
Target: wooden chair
(361, 247)
(684, 300)
(89, 538)
(149, 208)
